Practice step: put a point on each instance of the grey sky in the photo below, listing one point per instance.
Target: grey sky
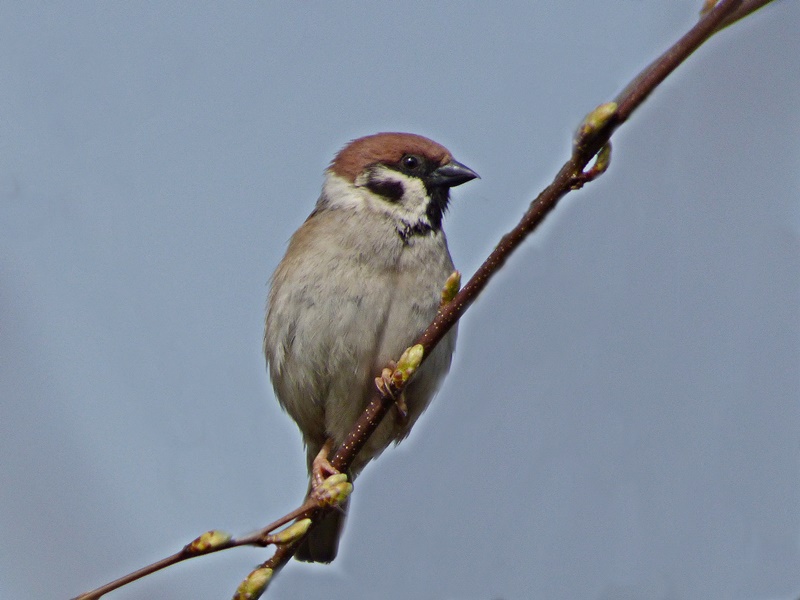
(621, 421)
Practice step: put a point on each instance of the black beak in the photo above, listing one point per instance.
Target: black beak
(451, 175)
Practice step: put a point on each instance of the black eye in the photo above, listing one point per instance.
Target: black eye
(411, 162)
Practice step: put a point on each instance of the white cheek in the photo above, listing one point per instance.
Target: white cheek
(410, 210)
(414, 203)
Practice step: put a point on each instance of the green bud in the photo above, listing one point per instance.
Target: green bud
(594, 121)
(291, 533)
(451, 287)
(210, 540)
(334, 490)
(409, 362)
(254, 585)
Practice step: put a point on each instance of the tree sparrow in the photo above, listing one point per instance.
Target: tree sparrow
(361, 280)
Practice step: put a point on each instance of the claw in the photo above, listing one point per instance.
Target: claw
(321, 467)
(402, 409)
(391, 377)
(395, 374)
(386, 382)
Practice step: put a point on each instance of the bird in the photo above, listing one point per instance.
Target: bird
(360, 281)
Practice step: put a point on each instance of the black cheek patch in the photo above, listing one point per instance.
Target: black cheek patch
(391, 190)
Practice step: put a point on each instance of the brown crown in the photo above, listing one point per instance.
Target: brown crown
(385, 148)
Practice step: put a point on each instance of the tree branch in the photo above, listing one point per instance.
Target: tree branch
(592, 141)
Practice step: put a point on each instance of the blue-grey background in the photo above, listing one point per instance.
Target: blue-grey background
(622, 420)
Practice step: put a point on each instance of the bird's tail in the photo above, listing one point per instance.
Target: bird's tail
(322, 542)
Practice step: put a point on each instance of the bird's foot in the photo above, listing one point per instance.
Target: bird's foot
(387, 380)
(390, 377)
(329, 487)
(321, 467)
